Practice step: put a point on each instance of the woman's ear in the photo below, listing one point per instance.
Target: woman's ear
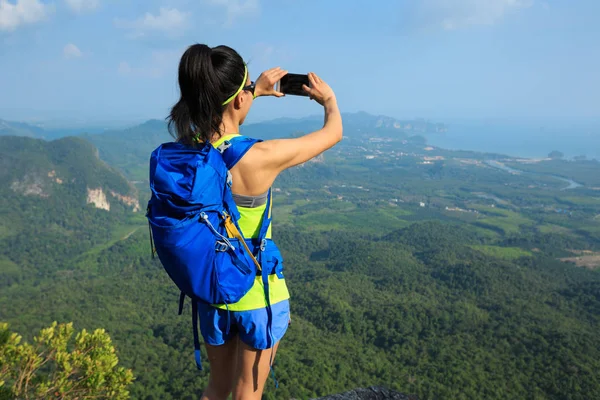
(239, 100)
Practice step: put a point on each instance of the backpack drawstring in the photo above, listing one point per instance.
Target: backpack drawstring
(197, 353)
(152, 248)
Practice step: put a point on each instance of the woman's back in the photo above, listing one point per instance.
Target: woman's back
(252, 210)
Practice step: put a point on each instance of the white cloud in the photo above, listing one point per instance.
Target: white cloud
(160, 63)
(236, 9)
(20, 12)
(124, 68)
(80, 6)
(265, 55)
(457, 14)
(169, 21)
(71, 51)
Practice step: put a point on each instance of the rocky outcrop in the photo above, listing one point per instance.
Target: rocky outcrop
(98, 199)
(371, 393)
(130, 201)
(52, 175)
(31, 185)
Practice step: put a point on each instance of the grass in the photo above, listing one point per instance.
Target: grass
(377, 221)
(490, 234)
(505, 220)
(582, 201)
(593, 227)
(283, 214)
(121, 232)
(550, 228)
(505, 253)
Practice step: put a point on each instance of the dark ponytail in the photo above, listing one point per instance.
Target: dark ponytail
(207, 77)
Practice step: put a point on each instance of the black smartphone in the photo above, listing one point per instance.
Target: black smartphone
(292, 84)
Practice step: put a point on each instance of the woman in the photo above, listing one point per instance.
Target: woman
(216, 95)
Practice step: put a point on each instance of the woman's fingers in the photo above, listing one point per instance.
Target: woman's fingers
(312, 80)
(273, 71)
(280, 74)
(308, 91)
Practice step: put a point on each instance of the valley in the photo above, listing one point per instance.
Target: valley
(425, 270)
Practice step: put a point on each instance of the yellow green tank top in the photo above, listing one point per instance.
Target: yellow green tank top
(249, 223)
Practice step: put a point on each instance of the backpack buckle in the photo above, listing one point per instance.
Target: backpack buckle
(221, 246)
(224, 146)
(263, 244)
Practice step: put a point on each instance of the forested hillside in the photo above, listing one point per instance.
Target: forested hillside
(57, 200)
(418, 311)
(423, 270)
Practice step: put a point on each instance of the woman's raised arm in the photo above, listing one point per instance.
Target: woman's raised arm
(267, 159)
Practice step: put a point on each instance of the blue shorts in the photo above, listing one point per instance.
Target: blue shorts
(251, 325)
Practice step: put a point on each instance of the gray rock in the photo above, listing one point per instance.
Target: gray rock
(371, 393)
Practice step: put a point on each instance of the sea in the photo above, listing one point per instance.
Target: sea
(530, 139)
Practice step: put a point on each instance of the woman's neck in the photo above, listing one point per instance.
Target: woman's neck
(228, 126)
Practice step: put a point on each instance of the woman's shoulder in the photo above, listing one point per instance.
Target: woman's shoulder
(234, 146)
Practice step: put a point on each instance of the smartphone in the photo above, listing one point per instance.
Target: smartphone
(292, 84)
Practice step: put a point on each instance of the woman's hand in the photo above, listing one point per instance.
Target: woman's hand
(319, 90)
(266, 82)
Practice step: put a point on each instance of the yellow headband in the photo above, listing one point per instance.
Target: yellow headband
(241, 87)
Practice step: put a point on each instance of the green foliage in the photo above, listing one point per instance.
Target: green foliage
(507, 253)
(43, 203)
(57, 366)
(443, 303)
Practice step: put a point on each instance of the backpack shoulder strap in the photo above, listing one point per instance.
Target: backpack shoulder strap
(233, 148)
(266, 221)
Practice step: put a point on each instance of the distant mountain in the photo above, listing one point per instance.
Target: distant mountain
(130, 149)
(356, 125)
(359, 123)
(20, 129)
(58, 198)
(11, 128)
(368, 121)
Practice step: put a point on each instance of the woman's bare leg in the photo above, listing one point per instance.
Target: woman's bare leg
(223, 362)
(253, 367)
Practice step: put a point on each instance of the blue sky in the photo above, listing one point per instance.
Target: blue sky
(104, 61)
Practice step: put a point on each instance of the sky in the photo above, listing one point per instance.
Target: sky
(76, 62)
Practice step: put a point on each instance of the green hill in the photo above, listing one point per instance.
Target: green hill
(57, 200)
(438, 320)
(129, 149)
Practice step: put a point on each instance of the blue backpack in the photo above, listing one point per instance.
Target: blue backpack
(193, 224)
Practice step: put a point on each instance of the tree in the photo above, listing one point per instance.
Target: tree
(555, 155)
(55, 367)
